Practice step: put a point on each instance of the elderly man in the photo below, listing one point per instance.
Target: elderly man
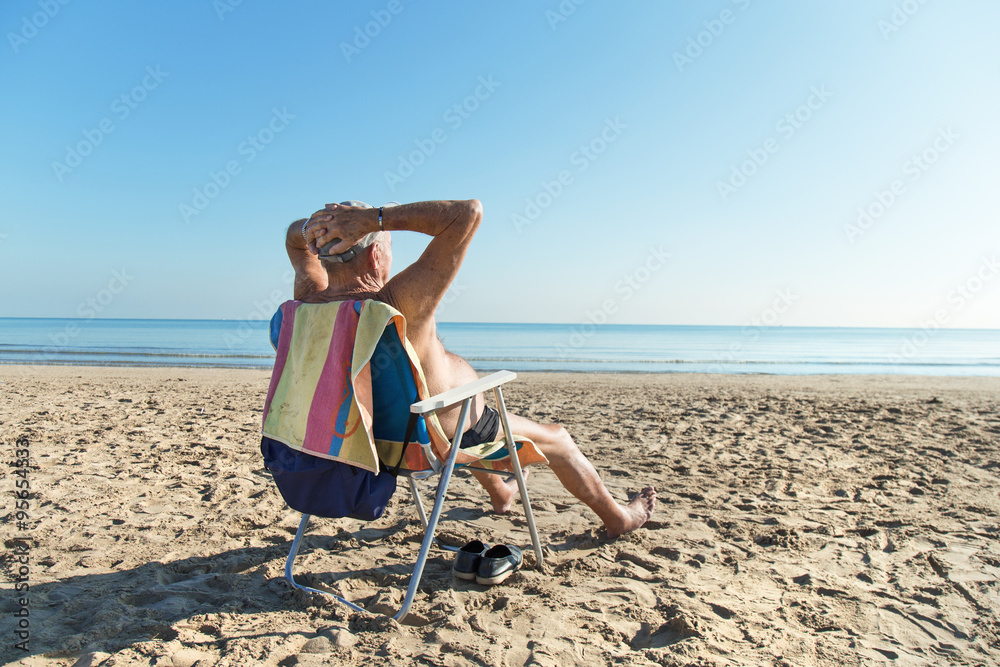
(344, 251)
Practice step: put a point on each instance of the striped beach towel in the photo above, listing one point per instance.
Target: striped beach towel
(343, 380)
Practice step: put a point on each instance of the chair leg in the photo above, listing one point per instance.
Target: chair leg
(293, 552)
(423, 514)
(425, 546)
(519, 476)
(417, 501)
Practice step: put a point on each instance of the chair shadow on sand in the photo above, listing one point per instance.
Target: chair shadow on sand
(111, 611)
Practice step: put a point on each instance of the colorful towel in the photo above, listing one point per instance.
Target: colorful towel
(321, 399)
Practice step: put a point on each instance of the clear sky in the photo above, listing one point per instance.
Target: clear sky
(722, 162)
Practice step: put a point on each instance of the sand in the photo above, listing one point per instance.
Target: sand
(801, 521)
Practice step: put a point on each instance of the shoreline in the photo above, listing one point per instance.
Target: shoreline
(823, 520)
(20, 368)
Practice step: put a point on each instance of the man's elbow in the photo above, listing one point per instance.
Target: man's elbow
(293, 235)
(475, 213)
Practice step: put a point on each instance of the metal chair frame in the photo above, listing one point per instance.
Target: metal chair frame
(464, 394)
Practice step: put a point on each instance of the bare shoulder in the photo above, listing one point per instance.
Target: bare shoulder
(389, 294)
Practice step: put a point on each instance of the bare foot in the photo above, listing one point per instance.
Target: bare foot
(636, 513)
(503, 496)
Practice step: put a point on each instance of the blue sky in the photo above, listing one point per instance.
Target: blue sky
(725, 162)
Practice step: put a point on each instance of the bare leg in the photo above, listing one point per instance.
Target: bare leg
(502, 492)
(580, 478)
(565, 459)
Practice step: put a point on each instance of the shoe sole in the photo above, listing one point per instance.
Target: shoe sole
(468, 576)
(491, 581)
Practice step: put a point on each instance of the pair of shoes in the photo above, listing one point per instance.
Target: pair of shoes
(487, 565)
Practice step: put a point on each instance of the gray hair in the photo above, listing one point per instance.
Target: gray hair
(366, 241)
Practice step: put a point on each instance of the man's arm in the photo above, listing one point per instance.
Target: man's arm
(419, 288)
(310, 277)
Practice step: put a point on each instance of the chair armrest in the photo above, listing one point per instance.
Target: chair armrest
(459, 394)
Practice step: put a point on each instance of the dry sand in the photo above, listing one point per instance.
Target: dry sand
(802, 521)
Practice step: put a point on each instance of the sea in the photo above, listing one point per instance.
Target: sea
(530, 347)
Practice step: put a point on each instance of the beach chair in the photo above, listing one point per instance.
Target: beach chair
(360, 364)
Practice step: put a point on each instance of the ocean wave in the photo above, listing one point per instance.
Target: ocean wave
(131, 364)
(44, 352)
(187, 358)
(736, 362)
